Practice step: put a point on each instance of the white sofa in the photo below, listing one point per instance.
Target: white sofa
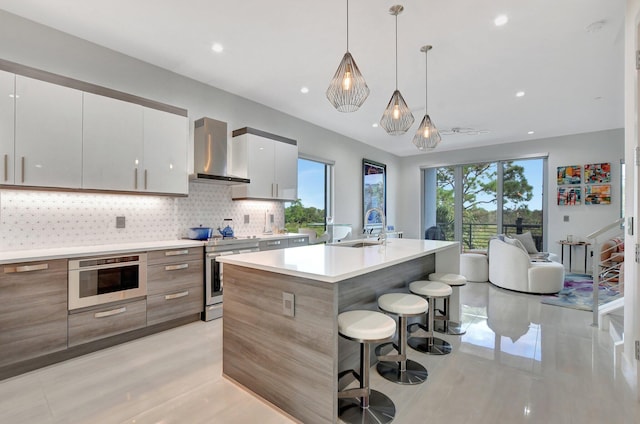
(510, 267)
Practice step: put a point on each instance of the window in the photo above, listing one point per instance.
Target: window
(314, 197)
(473, 202)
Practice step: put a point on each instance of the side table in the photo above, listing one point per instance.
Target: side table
(572, 245)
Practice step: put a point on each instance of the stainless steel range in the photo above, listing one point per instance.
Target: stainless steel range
(213, 270)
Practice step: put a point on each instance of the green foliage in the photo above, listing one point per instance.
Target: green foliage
(296, 216)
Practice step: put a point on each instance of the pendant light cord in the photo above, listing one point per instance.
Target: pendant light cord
(426, 82)
(347, 26)
(396, 51)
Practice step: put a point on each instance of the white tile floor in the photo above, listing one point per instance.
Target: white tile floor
(520, 362)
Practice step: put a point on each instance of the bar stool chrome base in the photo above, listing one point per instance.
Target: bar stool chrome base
(413, 374)
(381, 409)
(449, 327)
(435, 346)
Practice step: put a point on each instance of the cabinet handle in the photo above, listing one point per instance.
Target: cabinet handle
(25, 268)
(22, 168)
(176, 295)
(145, 179)
(110, 313)
(175, 267)
(277, 190)
(176, 252)
(6, 167)
(135, 178)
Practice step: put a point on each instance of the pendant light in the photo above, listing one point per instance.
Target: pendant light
(397, 118)
(347, 90)
(427, 137)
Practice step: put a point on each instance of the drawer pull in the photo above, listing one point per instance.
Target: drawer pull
(176, 252)
(176, 295)
(110, 313)
(176, 267)
(25, 268)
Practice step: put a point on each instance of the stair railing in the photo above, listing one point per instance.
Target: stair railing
(605, 271)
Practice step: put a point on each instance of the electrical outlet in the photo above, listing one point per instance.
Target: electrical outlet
(288, 304)
(566, 218)
(246, 219)
(120, 222)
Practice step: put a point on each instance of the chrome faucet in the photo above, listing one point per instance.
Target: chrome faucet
(383, 232)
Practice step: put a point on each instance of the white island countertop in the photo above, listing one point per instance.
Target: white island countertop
(334, 263)
(28, 255)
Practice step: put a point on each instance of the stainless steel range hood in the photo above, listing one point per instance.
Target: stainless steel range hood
(210, 153)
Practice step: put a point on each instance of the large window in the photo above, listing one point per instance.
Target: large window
(314, 197)
(473, 202)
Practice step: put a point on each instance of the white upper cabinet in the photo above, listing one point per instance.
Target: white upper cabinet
(269, 161)
(7, 108)
(165, 152)
(113, 144)
(48, 134)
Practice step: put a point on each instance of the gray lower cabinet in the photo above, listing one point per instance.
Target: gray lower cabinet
(33, 310)
(175, 284)
(106, 321)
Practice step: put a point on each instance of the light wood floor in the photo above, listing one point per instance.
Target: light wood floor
(520, 362)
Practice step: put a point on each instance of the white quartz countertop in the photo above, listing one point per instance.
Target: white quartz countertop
(332, 263)
(104, 249)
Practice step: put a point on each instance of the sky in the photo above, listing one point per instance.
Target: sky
(311, 183)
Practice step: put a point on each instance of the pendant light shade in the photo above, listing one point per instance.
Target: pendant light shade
(397, 117)
(347, 90)
(427, 137)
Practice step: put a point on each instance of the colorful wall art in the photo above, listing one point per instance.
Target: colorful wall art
(569, 196)
(597, 194)
(569, 174)
(597, 173)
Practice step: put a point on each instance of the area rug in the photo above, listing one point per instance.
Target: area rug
(578, 293)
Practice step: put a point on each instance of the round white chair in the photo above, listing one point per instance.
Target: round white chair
(444, 324)
(422, 338)
(397, 367)
(363, 405)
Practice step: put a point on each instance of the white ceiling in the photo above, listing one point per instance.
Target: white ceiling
(572, 77)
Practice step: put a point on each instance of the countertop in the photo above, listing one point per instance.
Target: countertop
(103, 249)
(334, 263)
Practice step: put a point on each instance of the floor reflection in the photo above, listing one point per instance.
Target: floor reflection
(502, 322)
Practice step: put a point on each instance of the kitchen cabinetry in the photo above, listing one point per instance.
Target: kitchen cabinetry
(48, 134)
(269, 161)
(175, 284)
(106, 320)
(165, 152)
(7, 109)
(33, 310)
(112, 143)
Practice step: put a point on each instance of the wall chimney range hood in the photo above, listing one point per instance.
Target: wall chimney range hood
(210, 162)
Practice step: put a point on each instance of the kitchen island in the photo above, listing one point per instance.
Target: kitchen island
(280, 331)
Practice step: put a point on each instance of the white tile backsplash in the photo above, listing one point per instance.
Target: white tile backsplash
(47, 219)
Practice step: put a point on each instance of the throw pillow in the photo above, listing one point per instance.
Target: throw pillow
(516, 243)
(527, 241)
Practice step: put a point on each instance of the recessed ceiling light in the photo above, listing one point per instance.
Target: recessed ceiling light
(501, 20)
(530, 132)
(520, 94)
(217, 47)
(304, 90)
(14, 96)
(375, 125)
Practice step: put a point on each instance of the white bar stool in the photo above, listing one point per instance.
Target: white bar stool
(422, 338)
(398, 368)
(444, 324)
(363, 405)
